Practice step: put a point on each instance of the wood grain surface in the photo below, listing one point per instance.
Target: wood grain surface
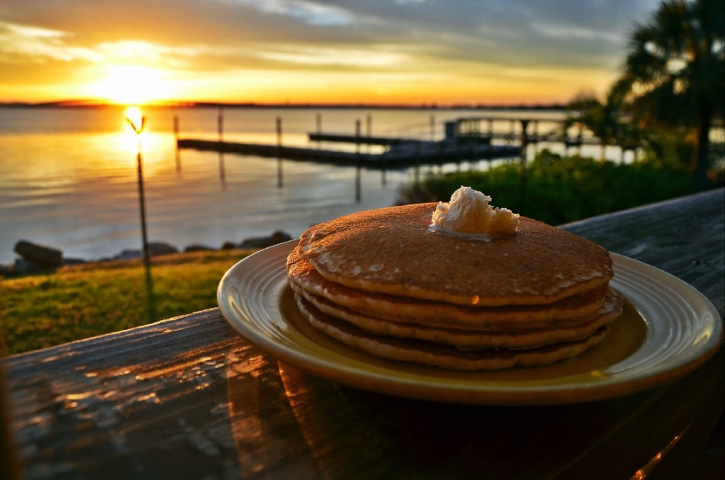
(189, 398)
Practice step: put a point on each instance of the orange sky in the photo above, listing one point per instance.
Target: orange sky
(310, 51)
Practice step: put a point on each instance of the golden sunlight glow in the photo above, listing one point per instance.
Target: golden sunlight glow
(134, 115)
(131, 140)
(130, 84)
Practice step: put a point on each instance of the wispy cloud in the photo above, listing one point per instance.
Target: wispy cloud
(574, 32)
(343, 57)
(22, 42)
(313, 13)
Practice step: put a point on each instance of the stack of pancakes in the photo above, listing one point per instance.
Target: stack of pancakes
(381, 281)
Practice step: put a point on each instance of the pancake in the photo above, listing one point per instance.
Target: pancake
(439, 355)
(392, 251)
(472, 339)
(436, 313)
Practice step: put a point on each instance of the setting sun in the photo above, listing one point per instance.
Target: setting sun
(130, 84)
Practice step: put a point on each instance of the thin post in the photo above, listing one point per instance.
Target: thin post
(432, 128)
(357, 136)
(220, 124)
(318, 122)
(142, 205)
(522, 182)
(524, 142)
(511, 134)
(280, 180)
(279, 132)
(176, 136)
(358, 169)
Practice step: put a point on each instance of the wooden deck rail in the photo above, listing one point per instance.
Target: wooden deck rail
(189, 398)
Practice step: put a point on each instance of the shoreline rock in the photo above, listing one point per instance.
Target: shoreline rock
(43, 259)
(47, 257)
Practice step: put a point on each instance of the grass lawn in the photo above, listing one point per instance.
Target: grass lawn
(78, 302)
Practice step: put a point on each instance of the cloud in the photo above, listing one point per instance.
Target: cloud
(573, 32)
(468, 40)
(313, 13)
(342, 57)
(21, 42)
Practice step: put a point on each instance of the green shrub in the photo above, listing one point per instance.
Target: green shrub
(558, 189)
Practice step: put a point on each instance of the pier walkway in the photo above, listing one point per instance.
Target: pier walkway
(399, 155)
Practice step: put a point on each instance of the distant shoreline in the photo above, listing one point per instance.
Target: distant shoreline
(340, 106)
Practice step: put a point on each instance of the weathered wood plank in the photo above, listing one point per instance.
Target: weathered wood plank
(684, 237)
(189, 398)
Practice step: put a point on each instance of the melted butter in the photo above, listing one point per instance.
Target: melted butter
(470, 215)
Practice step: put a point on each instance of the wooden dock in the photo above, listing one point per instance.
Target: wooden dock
(399, 155)
(482, 137)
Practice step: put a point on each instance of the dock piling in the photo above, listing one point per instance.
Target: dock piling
(318, 121)
(357, 136)
(176, 137)
(220, 124)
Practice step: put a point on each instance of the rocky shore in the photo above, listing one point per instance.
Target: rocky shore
(34, 258)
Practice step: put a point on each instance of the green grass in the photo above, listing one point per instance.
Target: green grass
(74, 303)
(560, 190)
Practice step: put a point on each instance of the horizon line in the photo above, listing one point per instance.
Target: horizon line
(89, 103)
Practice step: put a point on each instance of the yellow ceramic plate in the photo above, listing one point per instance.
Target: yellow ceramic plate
(667, 330)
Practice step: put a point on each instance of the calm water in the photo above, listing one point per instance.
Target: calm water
(68, 176)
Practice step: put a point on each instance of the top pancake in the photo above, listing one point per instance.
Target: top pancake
(392, 250)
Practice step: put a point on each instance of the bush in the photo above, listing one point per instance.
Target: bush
(558, 189)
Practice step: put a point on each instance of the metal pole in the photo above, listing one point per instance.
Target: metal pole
(142, 205)
(432, 128)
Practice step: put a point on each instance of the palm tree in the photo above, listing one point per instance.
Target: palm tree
(675, 69)
(603, 119)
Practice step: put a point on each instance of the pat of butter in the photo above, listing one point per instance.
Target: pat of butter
(469, 214)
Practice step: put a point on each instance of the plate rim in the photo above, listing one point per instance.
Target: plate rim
(533, 395)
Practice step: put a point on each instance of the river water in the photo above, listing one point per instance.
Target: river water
(68, 176)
